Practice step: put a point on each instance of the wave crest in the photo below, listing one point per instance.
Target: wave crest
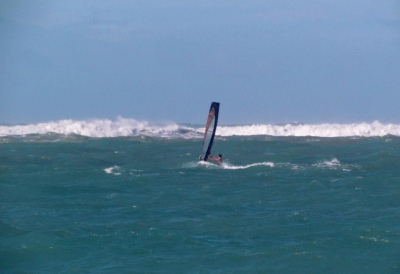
(123, 127)
(315, 130)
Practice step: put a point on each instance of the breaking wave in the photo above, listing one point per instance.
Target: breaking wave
(316, 130)
(122, 127)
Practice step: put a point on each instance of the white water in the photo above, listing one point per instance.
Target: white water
(96, 128)
(132, 127)
(317, 130)
(229, 166)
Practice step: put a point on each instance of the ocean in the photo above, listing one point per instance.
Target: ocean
(129, 196)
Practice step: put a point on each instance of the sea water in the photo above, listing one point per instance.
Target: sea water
(130, 197)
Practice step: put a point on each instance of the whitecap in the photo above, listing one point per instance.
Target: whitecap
(112, 170)
(123, 127)
(315, 130)
(332, 164)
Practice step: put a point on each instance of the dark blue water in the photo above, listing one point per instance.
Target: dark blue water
(72, 204)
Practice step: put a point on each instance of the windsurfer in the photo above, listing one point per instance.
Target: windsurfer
(217, 160)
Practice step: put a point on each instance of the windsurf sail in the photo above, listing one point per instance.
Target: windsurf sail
(211, 127)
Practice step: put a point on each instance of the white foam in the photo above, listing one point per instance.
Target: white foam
(130, 127)
(333, 162)
(206, 164)
(111, 170)
(100, 128)
(226, 165)
(336, 164)
(229, 166)
(316, 130)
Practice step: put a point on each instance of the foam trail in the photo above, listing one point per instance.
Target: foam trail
(228, 166)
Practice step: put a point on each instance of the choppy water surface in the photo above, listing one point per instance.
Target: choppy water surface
(143, 204)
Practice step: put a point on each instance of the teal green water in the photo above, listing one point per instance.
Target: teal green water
(144, 205)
